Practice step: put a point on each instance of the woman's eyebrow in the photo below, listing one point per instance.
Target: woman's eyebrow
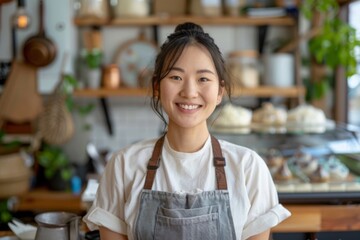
(198, 71)
(205, 71)
(177, 69)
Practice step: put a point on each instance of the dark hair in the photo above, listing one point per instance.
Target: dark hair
(185, 34)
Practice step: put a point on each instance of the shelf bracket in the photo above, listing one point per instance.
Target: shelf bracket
(104, 105)
(262, 31)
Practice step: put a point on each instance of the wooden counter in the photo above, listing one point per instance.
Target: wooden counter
(41, 200)
(318, 218)
(305, 218)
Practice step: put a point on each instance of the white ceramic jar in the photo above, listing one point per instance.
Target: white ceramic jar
(92, 8)
(279, 70)
(132, 8)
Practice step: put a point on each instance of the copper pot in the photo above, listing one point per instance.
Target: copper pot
(39, 50)
(111, 77)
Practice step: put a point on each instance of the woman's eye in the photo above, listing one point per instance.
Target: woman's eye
(203, 79)
(175, 78)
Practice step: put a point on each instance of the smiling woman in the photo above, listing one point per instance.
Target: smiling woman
(194, 186)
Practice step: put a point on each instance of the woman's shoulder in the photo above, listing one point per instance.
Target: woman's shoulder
(227, 146)
(240, 154)
(141, 145)
(137, 150)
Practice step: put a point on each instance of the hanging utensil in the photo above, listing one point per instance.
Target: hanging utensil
(39, 50)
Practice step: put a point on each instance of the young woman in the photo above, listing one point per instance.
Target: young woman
(193, 186)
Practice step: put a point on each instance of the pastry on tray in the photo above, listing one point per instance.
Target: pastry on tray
(273, 158)
(338, 171)
(283, 173)
(232, 117)
(306, 118)
(321, 175)
(268, 114)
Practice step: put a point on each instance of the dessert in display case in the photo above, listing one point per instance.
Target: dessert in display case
(311, 159)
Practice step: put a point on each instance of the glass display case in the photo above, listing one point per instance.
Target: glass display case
(308, 167)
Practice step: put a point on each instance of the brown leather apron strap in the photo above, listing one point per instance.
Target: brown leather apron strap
(153, 163)
(219, 163)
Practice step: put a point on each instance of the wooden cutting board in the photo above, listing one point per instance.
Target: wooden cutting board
(20, 101)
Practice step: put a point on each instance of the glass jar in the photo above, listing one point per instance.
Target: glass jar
(243, 68)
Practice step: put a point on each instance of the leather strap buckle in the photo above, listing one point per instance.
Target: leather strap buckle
(219, 162)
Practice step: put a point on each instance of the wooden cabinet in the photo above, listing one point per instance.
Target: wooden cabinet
(296, 92)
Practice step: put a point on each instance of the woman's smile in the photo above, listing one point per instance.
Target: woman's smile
(189, 106)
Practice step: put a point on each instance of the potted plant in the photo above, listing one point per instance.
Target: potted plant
(92, 59)
(56, 166)
(332, 45)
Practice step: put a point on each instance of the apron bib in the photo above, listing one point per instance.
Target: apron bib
(165, 215)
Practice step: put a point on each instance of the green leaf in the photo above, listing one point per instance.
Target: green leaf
(53, 159)
(85, 110)
(93, 58)
(66, 174)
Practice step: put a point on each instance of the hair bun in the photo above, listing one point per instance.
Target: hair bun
(188, 26)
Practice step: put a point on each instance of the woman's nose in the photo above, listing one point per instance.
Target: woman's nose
(189, 89)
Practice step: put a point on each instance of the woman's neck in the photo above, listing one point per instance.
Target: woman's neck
(187, 140)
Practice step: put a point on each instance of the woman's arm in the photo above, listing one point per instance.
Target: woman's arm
(107, 234)
(261, 236)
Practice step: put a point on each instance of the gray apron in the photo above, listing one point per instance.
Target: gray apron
(165, 215)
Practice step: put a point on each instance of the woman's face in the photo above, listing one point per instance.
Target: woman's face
(191, 90)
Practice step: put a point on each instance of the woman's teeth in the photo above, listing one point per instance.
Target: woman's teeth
(188, 107)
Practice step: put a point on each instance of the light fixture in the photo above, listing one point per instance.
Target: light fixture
(21, 18)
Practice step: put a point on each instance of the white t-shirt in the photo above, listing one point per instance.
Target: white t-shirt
(253, 196)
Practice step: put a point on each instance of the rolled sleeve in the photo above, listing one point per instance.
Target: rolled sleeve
(266, 221)
(99, 217)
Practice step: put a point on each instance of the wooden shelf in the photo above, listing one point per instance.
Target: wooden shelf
(121, 92)
(267, 91)
(174, 20)
(264, 91)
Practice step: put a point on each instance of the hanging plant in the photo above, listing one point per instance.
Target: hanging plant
(70, 83)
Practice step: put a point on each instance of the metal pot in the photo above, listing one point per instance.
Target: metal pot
(39, 50)
(57, 225)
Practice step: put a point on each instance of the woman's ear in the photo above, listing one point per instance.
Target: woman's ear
(156, 90)
(221, 92)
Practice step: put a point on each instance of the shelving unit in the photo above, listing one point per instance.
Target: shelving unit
(121, 92)
(263, 91)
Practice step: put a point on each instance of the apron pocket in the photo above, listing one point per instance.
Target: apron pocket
(203, 226)
(186, 213)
